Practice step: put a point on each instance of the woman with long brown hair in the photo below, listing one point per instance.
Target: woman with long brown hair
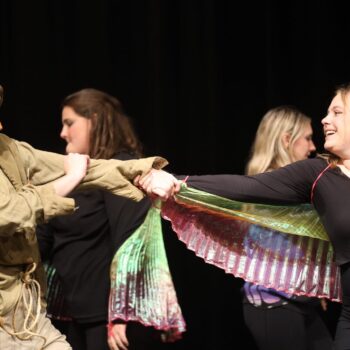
(81, 247)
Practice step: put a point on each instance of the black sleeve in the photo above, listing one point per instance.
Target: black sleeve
(45, 239)
(287, 185)
(124, 216)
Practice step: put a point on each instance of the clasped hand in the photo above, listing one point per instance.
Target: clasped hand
(158, 184)
(76, 164)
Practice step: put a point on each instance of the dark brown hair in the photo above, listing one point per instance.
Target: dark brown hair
(111, 129)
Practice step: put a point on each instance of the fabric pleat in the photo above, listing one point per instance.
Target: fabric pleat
(280, 247)
(141, 285)
(56, 305)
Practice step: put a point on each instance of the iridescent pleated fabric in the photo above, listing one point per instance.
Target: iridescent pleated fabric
(56, 306)
(280, 247)
(141, 285)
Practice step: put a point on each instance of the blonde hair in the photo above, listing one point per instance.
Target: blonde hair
(269, 151)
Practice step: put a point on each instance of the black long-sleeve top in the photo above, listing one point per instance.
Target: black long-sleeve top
(292, 184)
(81, 246)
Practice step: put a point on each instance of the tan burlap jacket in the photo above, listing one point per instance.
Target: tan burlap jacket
(27, 198)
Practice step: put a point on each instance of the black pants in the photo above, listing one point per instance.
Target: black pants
(284, 328)
(87, 336)
(342, 336)
(93, 336)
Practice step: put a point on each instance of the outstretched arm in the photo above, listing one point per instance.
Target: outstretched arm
(288, 185)
(43, 174)
(113, 175)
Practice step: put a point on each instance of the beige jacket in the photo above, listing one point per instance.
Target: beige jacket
(27, 198)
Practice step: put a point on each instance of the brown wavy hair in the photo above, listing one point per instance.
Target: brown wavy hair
(111, 130)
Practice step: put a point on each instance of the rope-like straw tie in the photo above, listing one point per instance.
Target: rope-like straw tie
(30, 293)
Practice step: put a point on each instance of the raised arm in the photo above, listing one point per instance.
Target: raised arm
(288, 185)
(47, 179)
(113, 175)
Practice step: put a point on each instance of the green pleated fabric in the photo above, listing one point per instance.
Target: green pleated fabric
(141, 284)
(300, 220)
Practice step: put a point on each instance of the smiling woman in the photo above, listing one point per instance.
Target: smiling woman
(336, 126)
(324, 181)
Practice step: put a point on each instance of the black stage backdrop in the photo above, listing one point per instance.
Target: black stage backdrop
(195, 77)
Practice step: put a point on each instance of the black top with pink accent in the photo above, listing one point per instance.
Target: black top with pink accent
(293, 184)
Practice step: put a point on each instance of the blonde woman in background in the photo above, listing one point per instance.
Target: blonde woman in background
(278, 320)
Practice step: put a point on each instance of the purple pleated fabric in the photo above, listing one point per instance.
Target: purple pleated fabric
(292, 263)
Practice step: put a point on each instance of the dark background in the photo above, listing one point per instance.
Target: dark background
(195, 77)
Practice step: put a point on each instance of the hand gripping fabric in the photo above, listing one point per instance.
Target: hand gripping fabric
(281, 247)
